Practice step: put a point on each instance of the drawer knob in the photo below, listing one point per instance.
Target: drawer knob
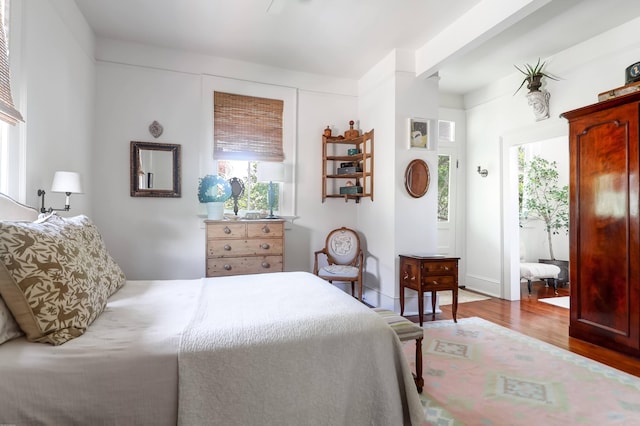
(265, 229)
(434, 282)
(227, 230)
(446, 268)
(265, 246)
(227, 247)
(406, 276)
(266, 265)
(227, 267)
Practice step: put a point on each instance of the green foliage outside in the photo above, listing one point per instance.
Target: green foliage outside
(444, 166)
(544, 199)
(256, 194)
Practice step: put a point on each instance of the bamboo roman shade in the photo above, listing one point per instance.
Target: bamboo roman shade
(247, 128)
(8, 113)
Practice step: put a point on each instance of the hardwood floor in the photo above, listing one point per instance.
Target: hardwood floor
(540, 320)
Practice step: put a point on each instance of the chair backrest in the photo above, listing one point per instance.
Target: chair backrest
(343, 246)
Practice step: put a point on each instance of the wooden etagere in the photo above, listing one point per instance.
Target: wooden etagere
(335, 153)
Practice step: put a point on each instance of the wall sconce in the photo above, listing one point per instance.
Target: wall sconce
(270, 172)
(67, 182)
(482, 172)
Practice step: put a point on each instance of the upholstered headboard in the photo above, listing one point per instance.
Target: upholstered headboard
(10, 209)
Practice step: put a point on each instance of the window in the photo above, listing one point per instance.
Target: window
(446, 135)
(444, 171)
(246, 129)
(287, 99)
(255, 196)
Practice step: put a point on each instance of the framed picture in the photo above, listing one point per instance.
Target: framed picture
(418, 133)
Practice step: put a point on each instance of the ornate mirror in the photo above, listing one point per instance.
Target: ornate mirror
(416, 178)
(155, 169)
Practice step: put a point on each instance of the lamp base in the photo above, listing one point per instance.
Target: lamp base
(271, 216)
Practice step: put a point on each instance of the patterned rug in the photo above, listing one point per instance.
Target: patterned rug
(479, 373)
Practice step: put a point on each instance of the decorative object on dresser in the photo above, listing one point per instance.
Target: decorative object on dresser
(604, 152)
(214, 190)
(67, 182)
(237, 189)
(432, 274)
(270, 172)
(347, 160)
(244, 247)
(155, 170)
(344, 259)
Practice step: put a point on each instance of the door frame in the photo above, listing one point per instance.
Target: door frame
(510, 247)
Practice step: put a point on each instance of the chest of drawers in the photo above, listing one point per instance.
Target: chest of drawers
(432, 274)
(244, 247)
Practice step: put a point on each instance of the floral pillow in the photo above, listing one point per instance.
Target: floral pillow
(53, 276)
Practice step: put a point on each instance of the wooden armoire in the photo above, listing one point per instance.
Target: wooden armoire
(605, 223)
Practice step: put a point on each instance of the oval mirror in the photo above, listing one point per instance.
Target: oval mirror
(416, 178)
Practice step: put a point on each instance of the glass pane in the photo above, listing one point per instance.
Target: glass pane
(444, 170)
(446, 131)
(256, 194)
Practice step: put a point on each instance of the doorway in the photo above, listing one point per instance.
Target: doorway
(550, 130)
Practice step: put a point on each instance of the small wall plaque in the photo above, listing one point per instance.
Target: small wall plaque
(155, 129)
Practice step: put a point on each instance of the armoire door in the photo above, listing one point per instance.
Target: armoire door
(604, 229)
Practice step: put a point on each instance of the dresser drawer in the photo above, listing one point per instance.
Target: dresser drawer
(258, 230)
(258, 246)
(226, 230)
(433, 282)
(221, 266)
(439, 268)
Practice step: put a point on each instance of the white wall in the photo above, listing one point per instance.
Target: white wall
(594, 66)
(396, 223)
(54, 90)
(164, 238)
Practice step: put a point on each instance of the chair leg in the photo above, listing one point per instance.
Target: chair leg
(353, 287)
(418, 379)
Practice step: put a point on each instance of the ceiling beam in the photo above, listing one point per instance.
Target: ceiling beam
(482, 22)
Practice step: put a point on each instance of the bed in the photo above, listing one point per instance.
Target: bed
(268, 349)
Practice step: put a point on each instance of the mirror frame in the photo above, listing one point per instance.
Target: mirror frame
(417, 187)
(174, 150)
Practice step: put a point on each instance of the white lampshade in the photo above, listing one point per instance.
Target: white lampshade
(270, 172)
(66, 182)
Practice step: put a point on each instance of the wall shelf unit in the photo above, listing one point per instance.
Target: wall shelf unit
(347, 167)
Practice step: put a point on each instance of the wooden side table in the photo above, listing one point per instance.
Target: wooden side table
(429, 273)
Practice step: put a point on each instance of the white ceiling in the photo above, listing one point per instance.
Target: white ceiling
(345, 38)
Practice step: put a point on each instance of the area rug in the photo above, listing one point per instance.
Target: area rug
(464, 296)
(479, 373)
(562, 301)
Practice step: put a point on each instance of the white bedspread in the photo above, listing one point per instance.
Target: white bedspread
(291, 352)
(260, 350)
(122, 371)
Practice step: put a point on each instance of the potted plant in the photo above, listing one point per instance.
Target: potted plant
(533, 76)
(545, 200)
(214, 190)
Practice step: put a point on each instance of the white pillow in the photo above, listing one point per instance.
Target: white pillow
(9, 328)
